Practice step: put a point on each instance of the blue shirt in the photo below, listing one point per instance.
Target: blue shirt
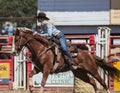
(49, 30)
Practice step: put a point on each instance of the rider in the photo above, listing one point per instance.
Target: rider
(49, 30)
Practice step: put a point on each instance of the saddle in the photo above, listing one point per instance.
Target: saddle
(57, 64)
(58, 53)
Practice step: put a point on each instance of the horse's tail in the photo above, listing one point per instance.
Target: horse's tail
(107, 67)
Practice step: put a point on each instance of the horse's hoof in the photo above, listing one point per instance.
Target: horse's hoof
(31, 91)
(108, 91)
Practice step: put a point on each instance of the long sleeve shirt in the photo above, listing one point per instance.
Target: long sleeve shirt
(49, 30)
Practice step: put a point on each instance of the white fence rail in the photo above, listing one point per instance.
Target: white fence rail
(102, 48)
(20, 71)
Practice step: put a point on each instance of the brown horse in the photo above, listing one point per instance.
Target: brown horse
(43, 59)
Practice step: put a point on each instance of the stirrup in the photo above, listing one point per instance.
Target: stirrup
(73, 67)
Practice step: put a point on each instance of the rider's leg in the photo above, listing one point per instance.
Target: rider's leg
(63, 45)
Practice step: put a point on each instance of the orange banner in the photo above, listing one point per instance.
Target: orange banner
(4, 70)
(117, 82)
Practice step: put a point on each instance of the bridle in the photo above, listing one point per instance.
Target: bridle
(27, 43)
(20, 46)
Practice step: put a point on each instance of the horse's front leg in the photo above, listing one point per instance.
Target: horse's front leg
(46, 72)
(33, 72)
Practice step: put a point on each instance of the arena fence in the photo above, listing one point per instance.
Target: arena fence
(18, 68)
(6, 63)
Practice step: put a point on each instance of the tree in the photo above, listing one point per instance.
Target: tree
(19, 8)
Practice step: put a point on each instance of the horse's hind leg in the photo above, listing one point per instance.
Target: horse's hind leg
(92, 82)
(82, 74)
(100, 80)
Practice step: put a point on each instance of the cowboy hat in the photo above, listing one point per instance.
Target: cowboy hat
(42, 15)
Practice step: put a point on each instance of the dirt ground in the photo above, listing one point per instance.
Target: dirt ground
(19, 91)
(47, 91)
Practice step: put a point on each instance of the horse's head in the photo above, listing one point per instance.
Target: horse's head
(21, 37)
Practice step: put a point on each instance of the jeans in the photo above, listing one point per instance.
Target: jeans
(63, 45)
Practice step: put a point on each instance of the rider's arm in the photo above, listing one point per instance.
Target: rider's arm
(49, 31)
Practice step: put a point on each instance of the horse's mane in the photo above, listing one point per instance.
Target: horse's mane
(25, 30)
(39, 38)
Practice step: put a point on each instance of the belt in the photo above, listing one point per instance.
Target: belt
(59, 34)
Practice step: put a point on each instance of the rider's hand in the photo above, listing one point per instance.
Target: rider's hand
(35, 33)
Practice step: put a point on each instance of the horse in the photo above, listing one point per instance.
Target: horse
(43, 59)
